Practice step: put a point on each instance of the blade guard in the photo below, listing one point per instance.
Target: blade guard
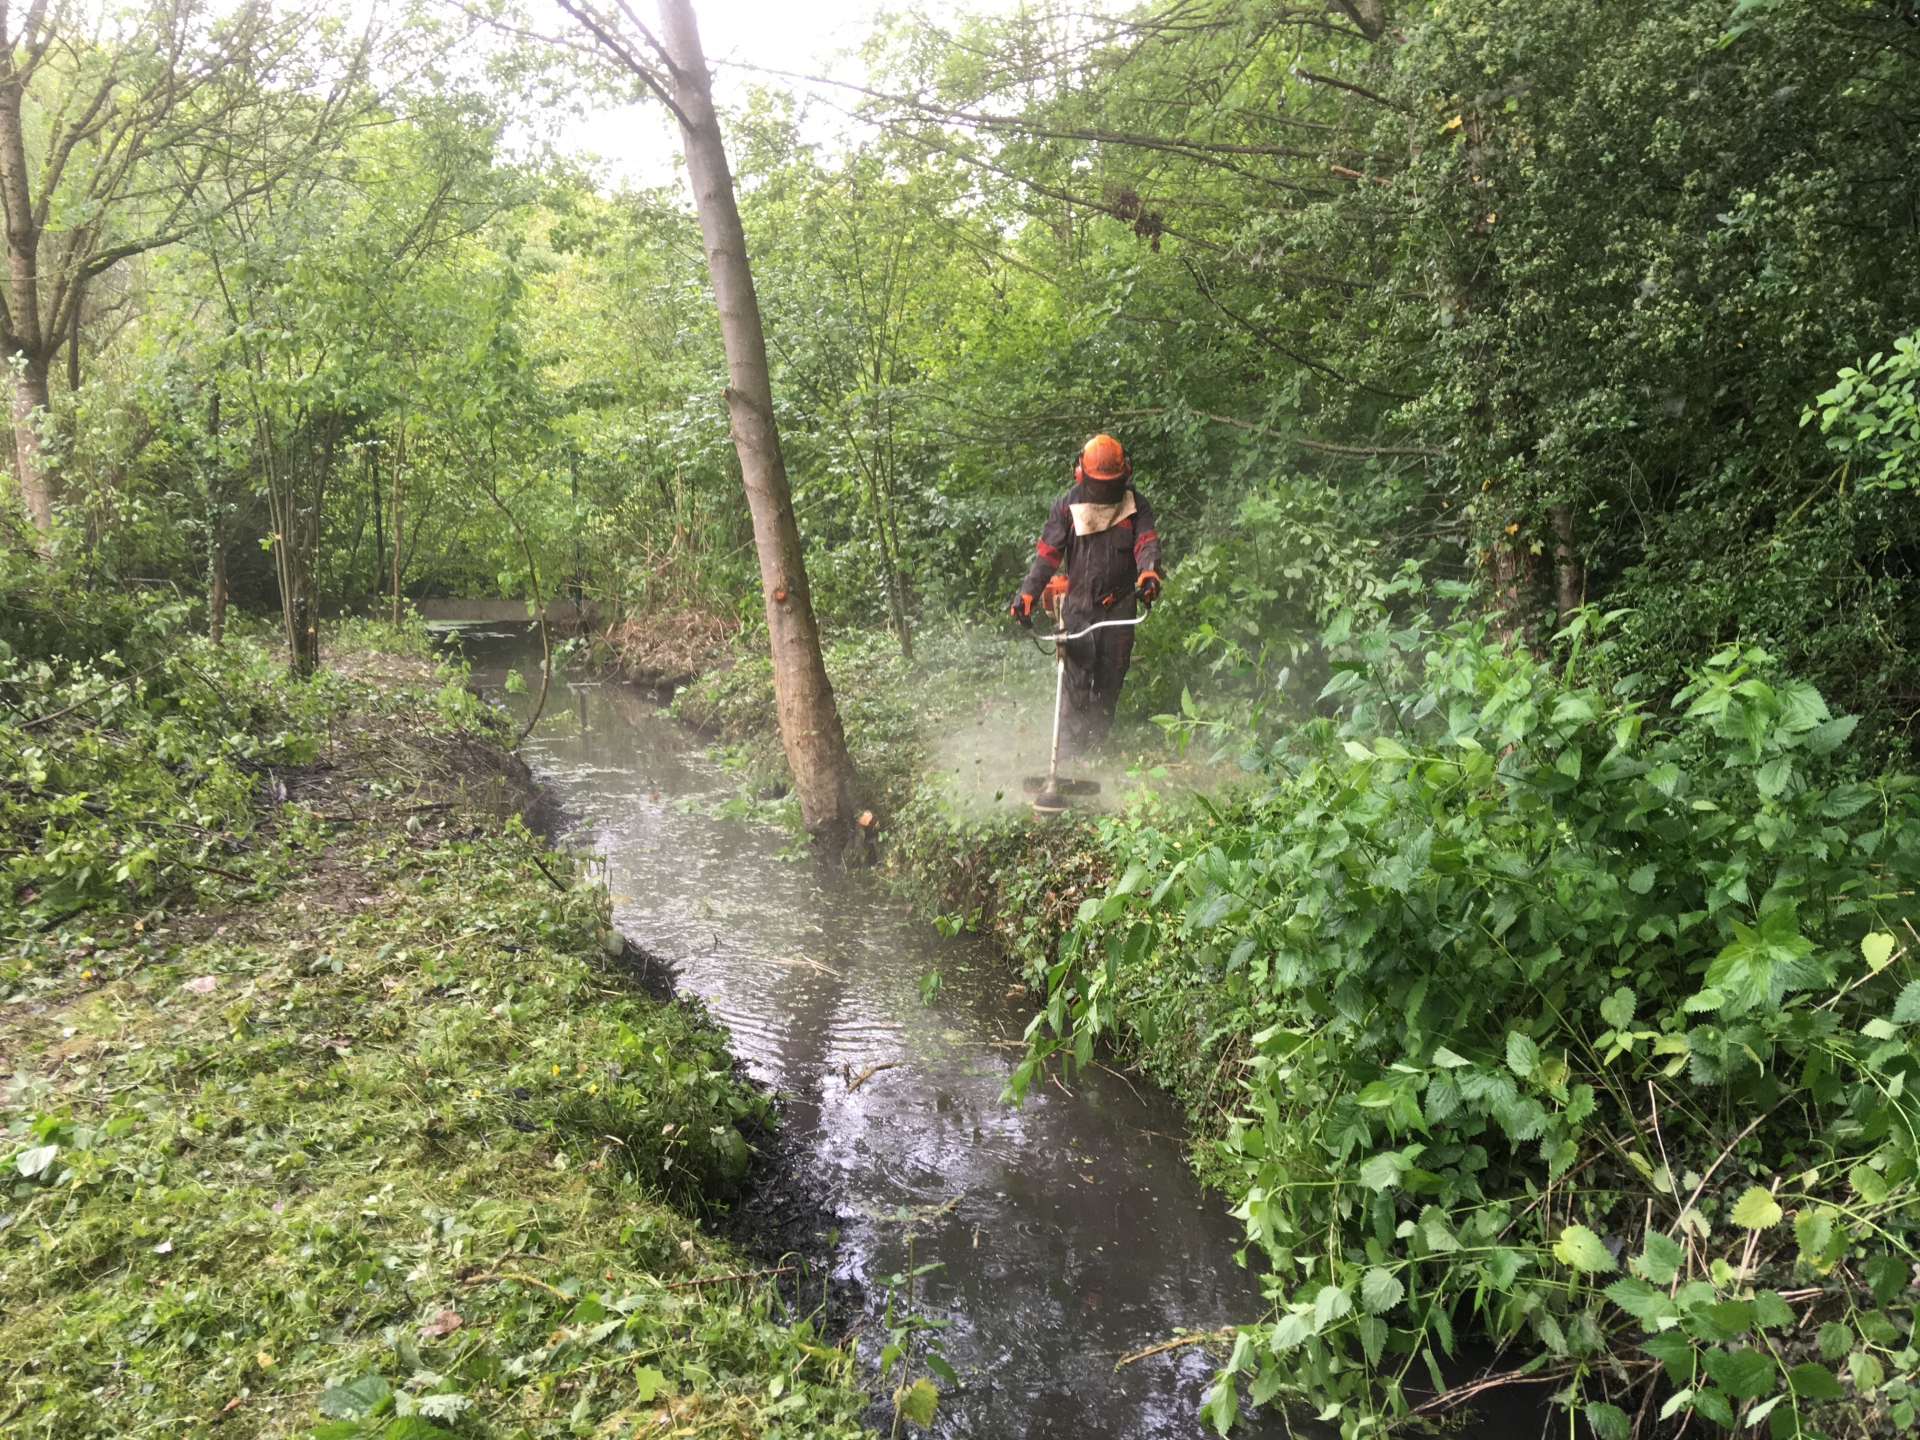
(1037, 785)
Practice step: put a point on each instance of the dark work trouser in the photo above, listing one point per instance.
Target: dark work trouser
(1096, 666)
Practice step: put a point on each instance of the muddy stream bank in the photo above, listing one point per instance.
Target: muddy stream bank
(1068, 1233)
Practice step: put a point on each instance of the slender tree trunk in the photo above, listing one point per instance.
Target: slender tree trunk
(1570, 575)
(889, 573)
(217, 591)
(25, 339)
(289, 559)
(73, 349)
(399, 459)
(30, 402)
(810, 729)
(379, 503)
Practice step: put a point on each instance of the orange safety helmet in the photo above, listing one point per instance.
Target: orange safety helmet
(1101, 458)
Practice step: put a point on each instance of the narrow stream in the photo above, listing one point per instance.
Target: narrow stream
(1069, 1232)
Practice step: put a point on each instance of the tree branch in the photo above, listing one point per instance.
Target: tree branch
(626, 57)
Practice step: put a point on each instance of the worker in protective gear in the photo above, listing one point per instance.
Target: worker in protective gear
(1101, 533)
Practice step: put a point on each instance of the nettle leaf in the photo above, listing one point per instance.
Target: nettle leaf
(355, 1398)
(1886, 1276)
(1617, 1009)
(1332, 1303)
(1581, 1249)
(1662, 1259)
(1522, 1054)
(1712, 1404)
(1751, 971)
(1383, 1171)
(917, 1401)
(1827, 738)
(1347, 1127)
(1503, 1266)
(1608, 1422)
(1756, 1210)
(1772, 777)
(1906, 1010)
(1640, 1300)
(1381, 1290)
(1743, 1374)
(1725, 1320)
(1868, 1184)
(1675, 1351)
(1373, 1338)
(1812, 1381)
(1580, 1104)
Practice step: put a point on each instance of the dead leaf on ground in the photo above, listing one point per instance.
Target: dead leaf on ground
(445, 1323)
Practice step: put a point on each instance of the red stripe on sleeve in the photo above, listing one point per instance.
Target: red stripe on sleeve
(1141, 542)
(1048, 553)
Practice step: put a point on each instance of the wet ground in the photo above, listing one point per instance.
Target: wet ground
(1065, 1235)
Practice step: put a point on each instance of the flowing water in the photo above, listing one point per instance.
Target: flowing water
(1068, 1233)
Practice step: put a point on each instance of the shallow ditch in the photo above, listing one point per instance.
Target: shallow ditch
(1067, 1234)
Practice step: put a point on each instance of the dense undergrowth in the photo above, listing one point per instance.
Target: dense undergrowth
(1518, 1004)
(1521, 1003)
(353, 1128)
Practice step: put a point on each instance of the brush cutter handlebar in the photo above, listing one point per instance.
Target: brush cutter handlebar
(1097, 625)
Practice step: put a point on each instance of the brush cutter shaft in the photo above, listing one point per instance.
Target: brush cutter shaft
(1059, 695)
(1060, 689)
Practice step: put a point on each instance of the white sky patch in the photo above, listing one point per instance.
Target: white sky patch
(639, 145)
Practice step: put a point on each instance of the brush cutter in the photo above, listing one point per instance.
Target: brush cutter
(1049, 791)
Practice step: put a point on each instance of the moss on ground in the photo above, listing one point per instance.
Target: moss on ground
(389, 1146)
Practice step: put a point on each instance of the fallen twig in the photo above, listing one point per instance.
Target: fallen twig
(1223, 1333)
(854, 1082)
(801, 962)
(553, 1290)
(1118, 1076)
(45, 719)
(1447, 1399)
(1751, 1127)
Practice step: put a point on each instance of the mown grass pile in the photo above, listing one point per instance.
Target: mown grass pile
(364, 1132)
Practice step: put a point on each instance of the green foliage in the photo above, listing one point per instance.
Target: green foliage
(1482, 923)
(1871, 418)
(384, 1148)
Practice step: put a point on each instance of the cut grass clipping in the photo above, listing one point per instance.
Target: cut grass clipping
(406, 1163)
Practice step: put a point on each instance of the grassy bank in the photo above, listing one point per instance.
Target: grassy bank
(331, 1111)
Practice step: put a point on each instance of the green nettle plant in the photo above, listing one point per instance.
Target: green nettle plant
(1554, 1014)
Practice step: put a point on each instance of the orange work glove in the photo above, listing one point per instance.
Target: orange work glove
(1148, 587)
(1022, 609)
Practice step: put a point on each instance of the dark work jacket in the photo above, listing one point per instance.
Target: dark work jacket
(1102, 532)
